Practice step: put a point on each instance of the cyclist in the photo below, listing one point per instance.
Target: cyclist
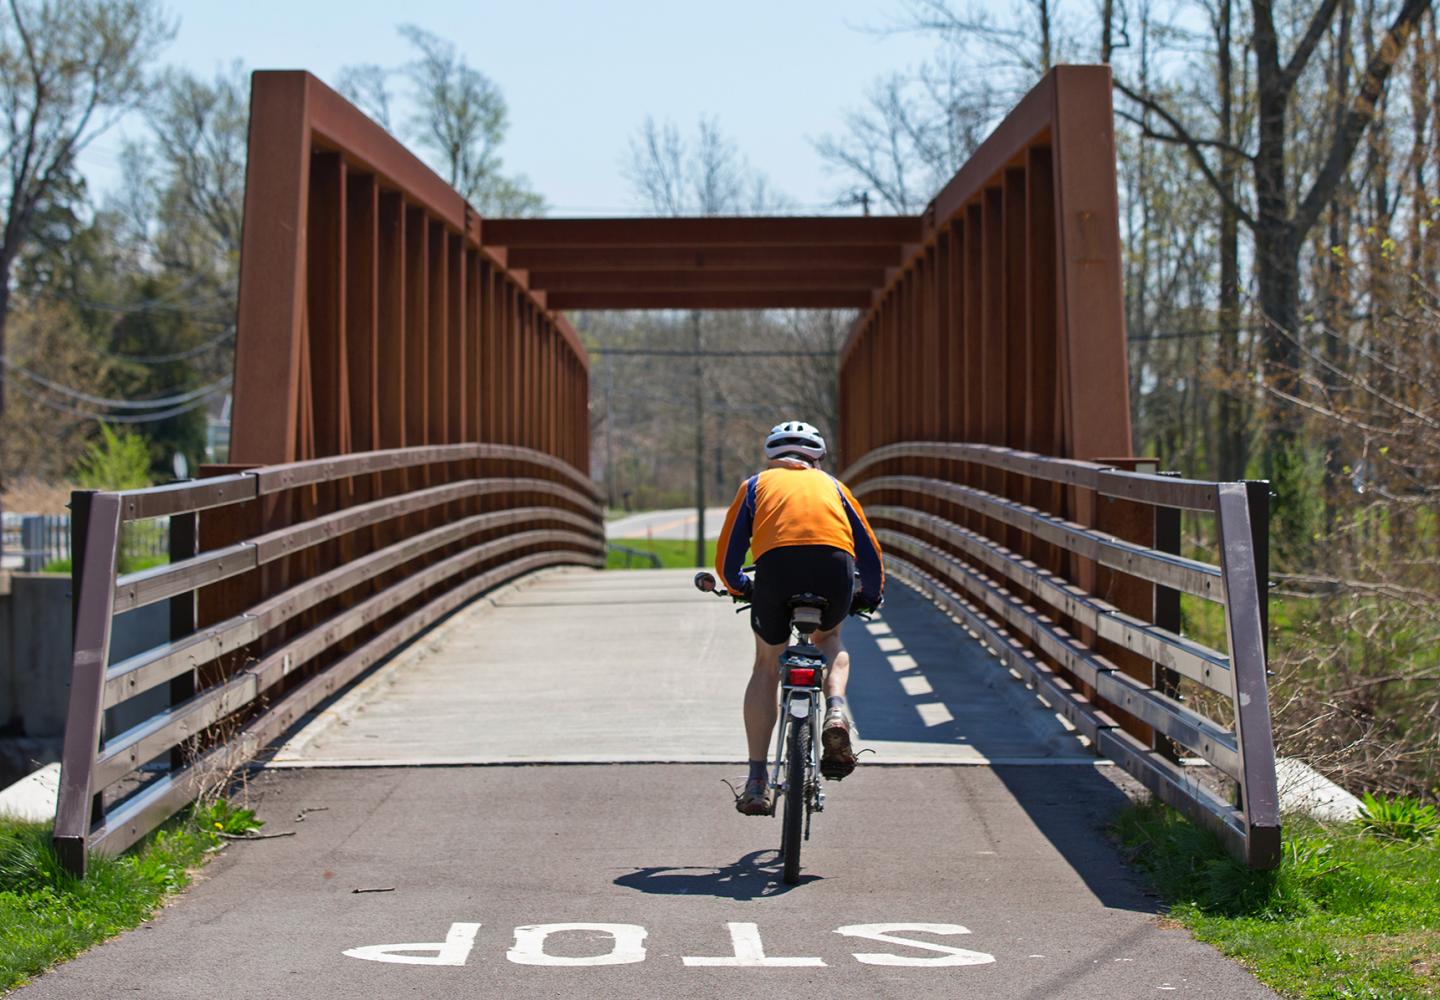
(808, 534)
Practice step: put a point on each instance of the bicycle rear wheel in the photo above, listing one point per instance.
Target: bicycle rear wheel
(798, 754)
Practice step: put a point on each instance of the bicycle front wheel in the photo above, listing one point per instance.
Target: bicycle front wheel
(798, 758)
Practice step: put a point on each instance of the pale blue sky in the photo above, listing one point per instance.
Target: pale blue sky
(580, 77)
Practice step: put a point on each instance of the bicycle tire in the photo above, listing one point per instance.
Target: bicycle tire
(793, 823)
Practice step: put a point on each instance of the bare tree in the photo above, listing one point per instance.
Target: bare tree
(1287, 204)
(1357, 676)
(1232, 413)
(368, 87)
(457, 113)
(68, 70)
(918, 127)
(200, 129)
(460, 114)
(1026, 38)
(657, 170)
(705, 176)
(914, 132)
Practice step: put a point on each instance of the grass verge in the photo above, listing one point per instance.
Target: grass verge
(1350, 913)
(674, 554)
(47, 915)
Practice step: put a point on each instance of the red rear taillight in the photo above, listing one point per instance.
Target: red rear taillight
(802, 676)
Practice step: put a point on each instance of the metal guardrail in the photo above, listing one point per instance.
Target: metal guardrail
(305, 626)
(630, 553)
(1039, 589)
(38, 540)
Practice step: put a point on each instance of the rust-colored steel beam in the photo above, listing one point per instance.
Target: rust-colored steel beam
(704, 258)
(787, 280)
(359, 317)
(1034, 302)
(703, 232)
(1027, 327)
(711, 300)
(272, 284)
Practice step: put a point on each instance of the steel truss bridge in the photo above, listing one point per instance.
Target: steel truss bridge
(410, 432)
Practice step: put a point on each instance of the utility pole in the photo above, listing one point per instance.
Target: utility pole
(700, 559)
(609, 432)
(719, 456)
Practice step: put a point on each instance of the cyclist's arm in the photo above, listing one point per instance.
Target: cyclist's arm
(868, 559)
(735, 539)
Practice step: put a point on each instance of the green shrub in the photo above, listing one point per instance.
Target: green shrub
(48, 915)
(1399, 818)
(1347, 914)
(120, 460)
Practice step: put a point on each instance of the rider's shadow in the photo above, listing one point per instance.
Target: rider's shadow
(749, 878)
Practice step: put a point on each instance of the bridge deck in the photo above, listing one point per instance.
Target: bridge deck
(1003, 873)
(584, 667)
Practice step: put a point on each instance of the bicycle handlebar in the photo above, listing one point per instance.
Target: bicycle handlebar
(706, 583)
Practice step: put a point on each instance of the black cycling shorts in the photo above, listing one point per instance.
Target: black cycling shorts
(782, 573)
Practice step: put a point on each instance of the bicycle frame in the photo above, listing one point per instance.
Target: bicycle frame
(801, 701)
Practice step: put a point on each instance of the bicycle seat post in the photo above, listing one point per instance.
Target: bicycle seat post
(804, 618)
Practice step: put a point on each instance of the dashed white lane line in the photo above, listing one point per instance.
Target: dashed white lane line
(916, 685)
(889, 644)
(934, 713)
(902, 661)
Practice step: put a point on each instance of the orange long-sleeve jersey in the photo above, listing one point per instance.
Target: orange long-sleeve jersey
(796, 506)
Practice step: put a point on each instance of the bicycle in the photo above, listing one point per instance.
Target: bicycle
(795, 774)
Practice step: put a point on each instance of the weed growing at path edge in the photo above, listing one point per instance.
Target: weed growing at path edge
(1350, 914)
(47, 916)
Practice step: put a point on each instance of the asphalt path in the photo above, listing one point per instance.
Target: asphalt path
(986, 876)
(676, 525)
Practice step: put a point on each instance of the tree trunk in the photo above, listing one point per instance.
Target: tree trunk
(1231, 413)
(1277, 251)
(4, 377)
(700, 559)
(1277, 277)
(1335, 293)
(1046, 44)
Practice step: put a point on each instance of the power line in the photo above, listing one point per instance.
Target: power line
(171, 302)
(117, 404)
(185, 307)
(160, 359)
(138, 418)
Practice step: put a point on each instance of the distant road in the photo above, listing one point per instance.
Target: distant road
(678, 524)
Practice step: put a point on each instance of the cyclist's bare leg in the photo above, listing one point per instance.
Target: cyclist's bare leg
(837, 759)
(828, 642)
(761, 700)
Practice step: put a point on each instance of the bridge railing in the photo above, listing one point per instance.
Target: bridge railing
(1044, 592)
(288, 606)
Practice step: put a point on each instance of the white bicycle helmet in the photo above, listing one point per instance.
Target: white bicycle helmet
(797, 438)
